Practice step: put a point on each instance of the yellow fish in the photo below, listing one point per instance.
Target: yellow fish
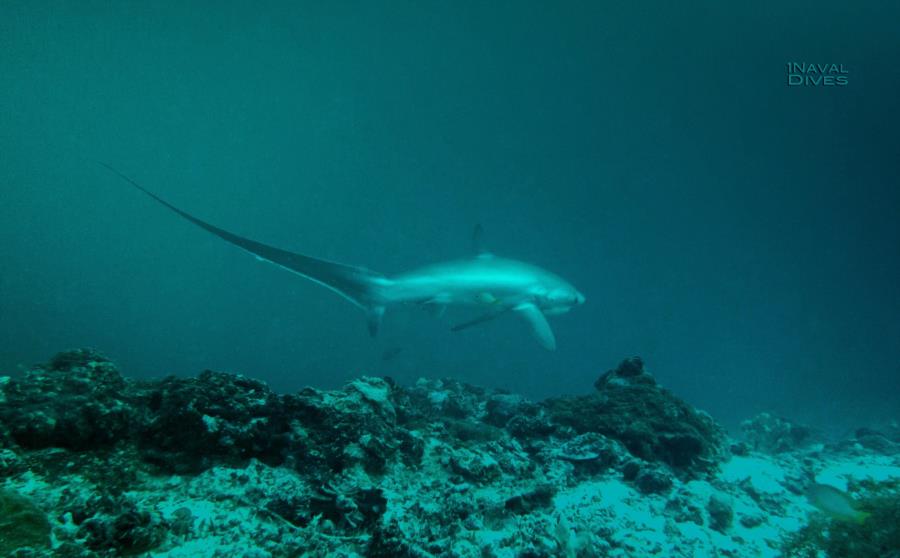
(835, 503)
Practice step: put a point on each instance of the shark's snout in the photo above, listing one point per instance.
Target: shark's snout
(579, 298)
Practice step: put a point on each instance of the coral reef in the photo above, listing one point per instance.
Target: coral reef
(74, 402)
(188, 424)
(649, 420)
(94, 464)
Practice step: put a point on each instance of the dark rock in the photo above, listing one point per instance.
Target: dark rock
(502, 407)
(75, 359)
(720, 512)
(388, 541)
(631, 469)
(474, 465)
(769, 503)
(292, 508)
(472, 431)
(10, 463)
(540, 497)
(771, 434)
(79, 401)
(796, 483)
(182, 523)
(650, 421)
(630, 370)
(740, 448)
(72, 550)
(751, 521)
(875, 441)
(357, 425)
(194, 422)
(892, 431)
(410, 446)
(653, 480)
(446, 398)
(22, 524)
(682, 509)
(117, 525)
(592, 452)
(521, 418)
(125, 536)
(115, 470)
(76, 401)
(528, 427)
(351, 507)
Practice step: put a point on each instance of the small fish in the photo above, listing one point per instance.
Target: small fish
(390, 353)
(835, 503)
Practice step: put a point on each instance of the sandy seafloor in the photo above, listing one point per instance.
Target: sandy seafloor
(375, 469)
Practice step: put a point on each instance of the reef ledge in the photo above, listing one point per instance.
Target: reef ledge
(96, 464)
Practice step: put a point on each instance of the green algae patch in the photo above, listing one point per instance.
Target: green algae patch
(22, 524)
(878, 536)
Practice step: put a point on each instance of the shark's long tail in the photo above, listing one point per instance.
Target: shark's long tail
(363, 287)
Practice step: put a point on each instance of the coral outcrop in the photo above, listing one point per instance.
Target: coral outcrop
(76, 401)
(188, 424)
(768, 433)
(650, 421)
(95, 464)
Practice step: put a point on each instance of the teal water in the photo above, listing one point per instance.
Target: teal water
(738, 234)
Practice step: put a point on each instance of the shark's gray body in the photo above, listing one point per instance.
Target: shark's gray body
(498, 285)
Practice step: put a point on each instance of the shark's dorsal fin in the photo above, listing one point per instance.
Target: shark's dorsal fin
(478, 243)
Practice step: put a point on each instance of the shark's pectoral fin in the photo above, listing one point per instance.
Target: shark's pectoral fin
(539, 325)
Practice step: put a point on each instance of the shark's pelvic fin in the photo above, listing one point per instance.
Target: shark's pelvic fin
(359, 285)
(374, 314)
(478, 240)
(480, 319)
(435, 307)
(539, 325)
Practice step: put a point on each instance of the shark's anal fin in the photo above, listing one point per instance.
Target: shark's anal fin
(478, 240)
(478, 243)
(435, 308)
(539, 325)
(374, 314)
(486, 298)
